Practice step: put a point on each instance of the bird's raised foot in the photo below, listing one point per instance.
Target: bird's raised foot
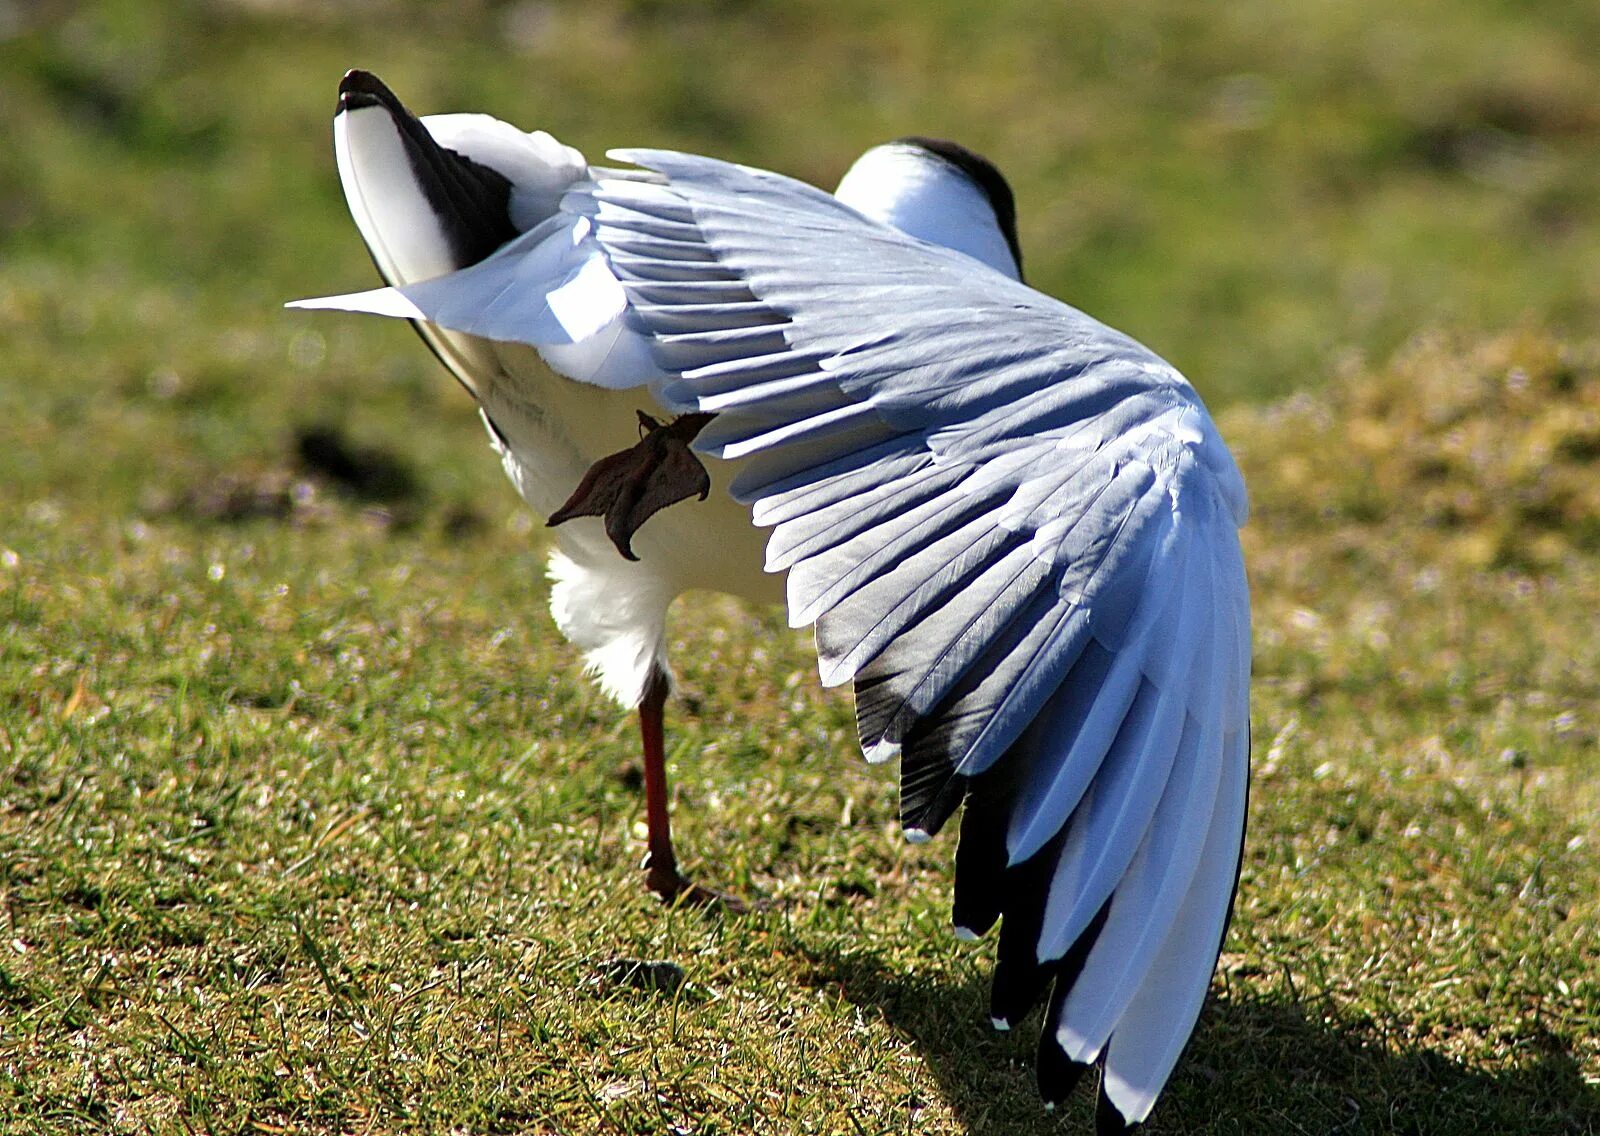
(630, 487)
(672, 887)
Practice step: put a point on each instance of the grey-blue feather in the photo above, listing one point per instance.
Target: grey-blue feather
(1015, 530)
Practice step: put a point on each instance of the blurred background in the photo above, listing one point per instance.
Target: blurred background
(1258, 191)
(282, 715)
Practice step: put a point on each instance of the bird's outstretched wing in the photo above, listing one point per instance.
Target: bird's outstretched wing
(1016, 532)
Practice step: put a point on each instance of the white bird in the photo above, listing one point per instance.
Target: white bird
(1014, 528)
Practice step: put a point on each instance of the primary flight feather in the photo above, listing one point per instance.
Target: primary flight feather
(1014, 529)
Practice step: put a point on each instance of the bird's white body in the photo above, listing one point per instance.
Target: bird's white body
(547, 428)
(1014, 527)
(555, 410)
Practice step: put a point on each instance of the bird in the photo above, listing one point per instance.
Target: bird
(1013, 529)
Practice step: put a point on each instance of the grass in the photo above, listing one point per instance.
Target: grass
(308, 822)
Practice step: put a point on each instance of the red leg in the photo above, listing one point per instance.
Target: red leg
(661, 866)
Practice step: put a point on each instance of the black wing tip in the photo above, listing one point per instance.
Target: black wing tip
(470, 199)
(931, 792)
(1108, 1121)
(1018, 980)
(1058, 1075)
(360, 89)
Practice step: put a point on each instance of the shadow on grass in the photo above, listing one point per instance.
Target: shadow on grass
(1255, 1065)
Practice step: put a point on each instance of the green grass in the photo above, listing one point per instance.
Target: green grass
(308, 822)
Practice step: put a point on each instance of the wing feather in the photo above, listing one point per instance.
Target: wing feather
(1114, 820)
(1015, 531)
(1147, 906)
(846, 505)
(1153, 1029)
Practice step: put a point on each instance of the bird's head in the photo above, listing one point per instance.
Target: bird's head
(941, 192)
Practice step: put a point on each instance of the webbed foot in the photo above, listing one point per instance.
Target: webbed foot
(629, 487)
